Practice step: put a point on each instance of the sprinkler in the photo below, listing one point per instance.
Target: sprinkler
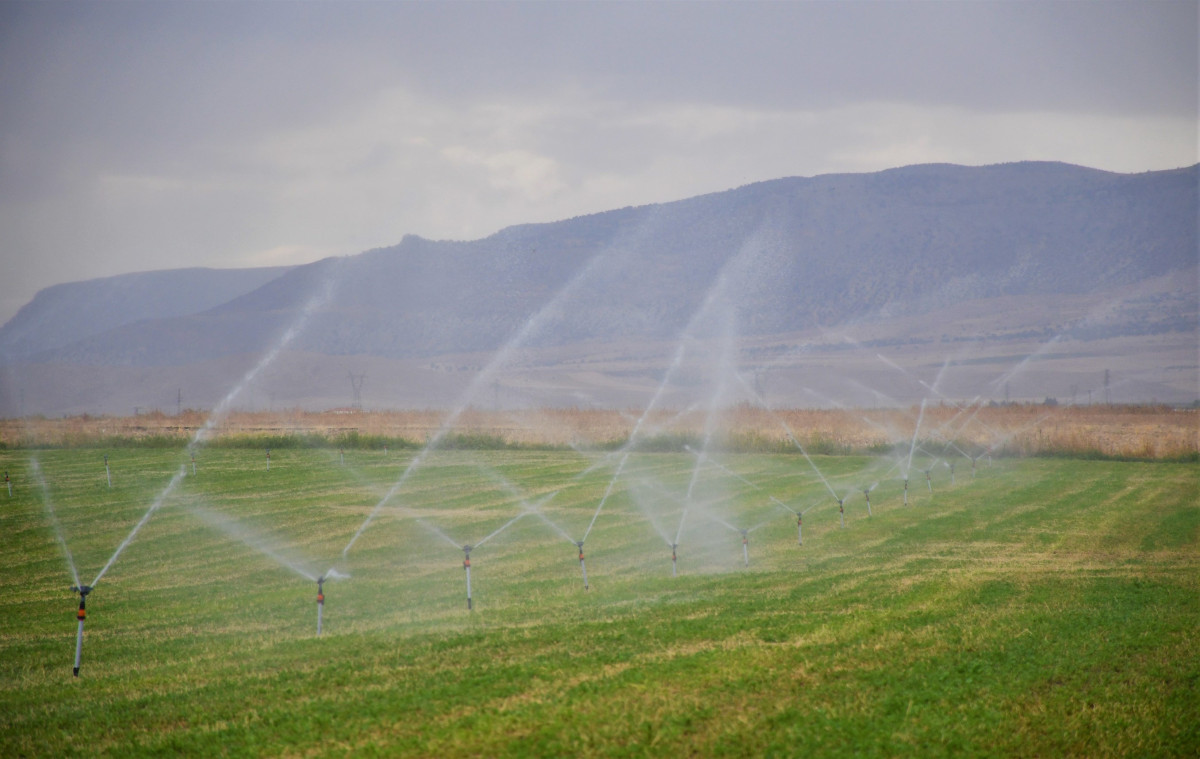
(467, 567)
(842, 512)
(342, 457)
(82, 590)
(674, 572)
(320, 602)
(867, 495)
(107, 473)
(745, 547)
(905, 491)
(973, 460)
(268, 459)
(800, 529)
(582, 567)
(8, 483)
(193, 464)
(928, 481)
(952, 472)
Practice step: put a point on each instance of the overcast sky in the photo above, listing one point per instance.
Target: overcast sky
(138, 136)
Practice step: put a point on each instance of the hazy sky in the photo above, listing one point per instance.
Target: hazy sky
(137, 136)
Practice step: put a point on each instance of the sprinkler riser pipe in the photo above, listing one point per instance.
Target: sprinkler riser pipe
(81, 615)
(78, 647)
(745, 552)
(320, 603)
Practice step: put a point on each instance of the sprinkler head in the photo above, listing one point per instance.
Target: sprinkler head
(82, 590)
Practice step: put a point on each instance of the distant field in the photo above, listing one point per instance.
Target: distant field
(1112, 431)
(1040, 607)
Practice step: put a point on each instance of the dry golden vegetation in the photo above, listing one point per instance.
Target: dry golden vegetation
(1147, 432)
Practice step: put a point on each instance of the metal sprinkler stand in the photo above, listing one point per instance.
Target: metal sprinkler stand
(8, 484)
(928, 481)
(842, 512)
(582, 567)
(467, 567)
(867, 495)
(800, 529)
(905, 491)
(107, 473)
(268, 459)
(82, 590)
(745, 548)
(952, 472)
(674, 572)
(320, 602)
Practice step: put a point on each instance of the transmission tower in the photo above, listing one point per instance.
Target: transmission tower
(356, 383)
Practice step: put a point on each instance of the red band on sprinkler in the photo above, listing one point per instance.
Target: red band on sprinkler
(466, 563)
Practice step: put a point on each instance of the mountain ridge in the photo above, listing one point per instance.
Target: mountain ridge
(783, 256)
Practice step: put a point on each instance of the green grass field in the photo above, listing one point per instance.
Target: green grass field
(1039, 608)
